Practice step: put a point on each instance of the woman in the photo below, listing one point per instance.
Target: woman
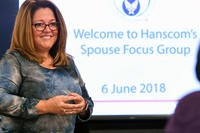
(41, 90)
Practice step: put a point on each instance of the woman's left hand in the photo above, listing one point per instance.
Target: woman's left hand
(79, 105)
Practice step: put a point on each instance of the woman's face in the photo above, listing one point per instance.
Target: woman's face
(44, 36)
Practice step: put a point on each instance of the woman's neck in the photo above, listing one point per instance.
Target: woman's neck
(47, 61)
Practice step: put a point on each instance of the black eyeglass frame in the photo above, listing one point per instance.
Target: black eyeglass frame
(39, 26)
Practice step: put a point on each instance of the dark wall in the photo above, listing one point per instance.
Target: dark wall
(8, 10)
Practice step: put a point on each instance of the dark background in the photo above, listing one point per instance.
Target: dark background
(8, 11)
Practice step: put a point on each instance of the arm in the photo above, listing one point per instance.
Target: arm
(87, 112)
(11, 103)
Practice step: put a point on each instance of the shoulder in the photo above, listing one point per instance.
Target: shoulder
(14, 57)
(70, 60)
(193, 97)
(189, 104)
(69, 57)
(186, 117)
(12, 54)
(188, 108)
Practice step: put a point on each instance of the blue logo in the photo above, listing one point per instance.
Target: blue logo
(132, 7)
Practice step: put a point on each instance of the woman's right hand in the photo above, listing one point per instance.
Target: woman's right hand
(56, 105)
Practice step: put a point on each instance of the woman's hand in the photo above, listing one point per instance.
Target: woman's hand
(72, 103)
(80, 102)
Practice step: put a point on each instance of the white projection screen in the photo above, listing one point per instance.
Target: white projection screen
(137, 57)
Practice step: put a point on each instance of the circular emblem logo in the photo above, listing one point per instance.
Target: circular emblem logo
(132, 7)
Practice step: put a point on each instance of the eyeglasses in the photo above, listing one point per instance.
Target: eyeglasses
(42, 26)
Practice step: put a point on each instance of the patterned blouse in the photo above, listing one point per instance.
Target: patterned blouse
(23, 83)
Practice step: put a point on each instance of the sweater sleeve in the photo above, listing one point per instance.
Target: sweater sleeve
(85, 93)
(11, 103)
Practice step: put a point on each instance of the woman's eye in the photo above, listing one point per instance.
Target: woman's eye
(39, 24)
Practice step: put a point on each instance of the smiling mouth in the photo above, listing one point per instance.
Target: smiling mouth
(46, 37)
